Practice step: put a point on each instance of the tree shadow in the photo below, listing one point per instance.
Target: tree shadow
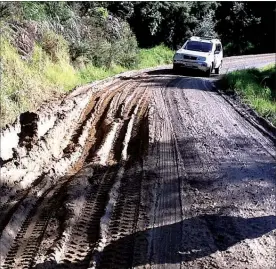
(223, 234)
(182, 72)
(182, 243)
(162, 79)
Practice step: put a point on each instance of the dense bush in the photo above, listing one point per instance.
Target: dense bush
(243, 27)
(158, 55)
(93, 36)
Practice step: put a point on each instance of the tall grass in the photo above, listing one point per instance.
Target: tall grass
(158, 55)
(91, 73)
(257, 87)
(25, 84)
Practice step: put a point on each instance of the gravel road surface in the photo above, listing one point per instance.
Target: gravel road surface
(148, 169)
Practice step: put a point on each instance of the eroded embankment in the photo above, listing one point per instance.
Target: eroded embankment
(59, 185)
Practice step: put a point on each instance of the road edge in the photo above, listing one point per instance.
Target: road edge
(247, 112)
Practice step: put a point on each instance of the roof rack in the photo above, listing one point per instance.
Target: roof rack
(207, 37)
(204, 37)
(195, 38)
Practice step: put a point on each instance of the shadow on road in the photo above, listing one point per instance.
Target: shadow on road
(167, 78)
(222, 232)
(183, 72)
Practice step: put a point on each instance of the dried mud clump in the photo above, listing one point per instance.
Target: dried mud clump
(29, 129)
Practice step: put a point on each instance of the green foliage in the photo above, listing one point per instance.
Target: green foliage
(34, 11)
(243, 27)
(10, 11)
(124, 10)
(54, 45)
(98, 38)
(41, 11)
(59, 11)
(159, 55)
(124, 50)
(164, 22)
(95, 36)
(257, 87)
(161, 22)
(206, 27)
(91, 73)
(102, 12)
(26, 84)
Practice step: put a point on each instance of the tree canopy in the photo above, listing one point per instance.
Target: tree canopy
(243, 27)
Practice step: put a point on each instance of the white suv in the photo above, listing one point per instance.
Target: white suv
(199, 53)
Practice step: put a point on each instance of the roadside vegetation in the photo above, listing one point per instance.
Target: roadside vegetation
(41, 59)
(26, 84)
(48, 48)
(257, 87)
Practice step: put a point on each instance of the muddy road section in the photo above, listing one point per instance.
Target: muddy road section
(145, 170)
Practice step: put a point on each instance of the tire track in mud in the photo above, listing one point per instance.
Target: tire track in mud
(126, 210)
(32, 203)
(199, 165)
(28, 239)
(85, 233)
(24, 248)
(118, 138)
(167, 203)
(92, 232)
(31, 243)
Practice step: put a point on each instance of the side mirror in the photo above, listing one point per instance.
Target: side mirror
(217, 51)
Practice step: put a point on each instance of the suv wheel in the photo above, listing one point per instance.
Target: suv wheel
(209, 71)
(217, 70)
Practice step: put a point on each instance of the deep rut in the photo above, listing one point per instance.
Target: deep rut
(30, 235)
(124, 107)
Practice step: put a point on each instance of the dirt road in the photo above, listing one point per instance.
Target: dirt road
(146, 170)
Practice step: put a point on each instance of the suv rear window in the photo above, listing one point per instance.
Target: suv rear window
(198, 46)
